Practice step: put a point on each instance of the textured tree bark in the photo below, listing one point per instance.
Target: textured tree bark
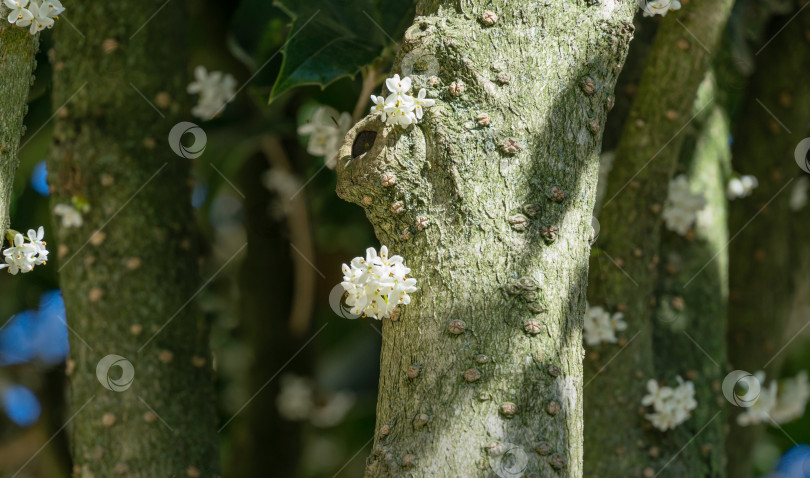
(129, 288)
(17, 62)
(692, 291)
(629, 240)
(508, 387)
(762, 291)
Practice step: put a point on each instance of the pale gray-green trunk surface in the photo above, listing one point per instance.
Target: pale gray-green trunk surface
(531, 73)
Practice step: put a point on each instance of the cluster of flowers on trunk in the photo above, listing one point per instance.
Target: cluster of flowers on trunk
(33, 14)
(23, 256)
(216, 89)
(601, 326)
(778, 403)
(671, 406)
(400, 108)
(376, 285)
(681, 208)
(326, 130)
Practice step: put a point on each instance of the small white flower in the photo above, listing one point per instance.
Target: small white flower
(399, 108)
(70, 216)
(680, 210)
(798, 194)
(420, 103)
(39, 245)
(326, 130)
(41, 20)
(792, 399)
(672, 406)
(379, 106)
(660, 7)
(19, 15)
(656, 395)
(398, 86)
(600, 326)
(295, 400)
(332, 409)
(376, 285)
(216, 89)
(741, 187)
(19, 257)
(23, 256)
(51, 8)
(760, 410)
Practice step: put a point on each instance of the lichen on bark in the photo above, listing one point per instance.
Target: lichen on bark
(129, 274)
(17, 62)
(482, 257)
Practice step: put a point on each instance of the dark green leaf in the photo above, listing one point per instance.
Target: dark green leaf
(330, 39)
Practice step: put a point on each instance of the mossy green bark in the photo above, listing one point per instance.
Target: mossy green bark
(129, 288)
(509, 385)
(770, 253)
(625, 268)
(17, 62)
(689, 324)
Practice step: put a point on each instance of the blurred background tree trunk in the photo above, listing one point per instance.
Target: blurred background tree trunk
(130, 274)
(625, 267)
(770, 236)
(261, 435)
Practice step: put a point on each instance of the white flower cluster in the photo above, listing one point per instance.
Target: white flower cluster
(672, 406)
(326, 130)
(25, 13)
(741, 187)
(216, 90)
(682, 206)
(400, 107)
(23, 256)
(659, 7)
(600, 326)
(297, 401)
(779, 402)
(376, 285)
(798, 194)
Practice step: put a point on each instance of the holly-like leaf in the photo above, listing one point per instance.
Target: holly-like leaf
(330, 39)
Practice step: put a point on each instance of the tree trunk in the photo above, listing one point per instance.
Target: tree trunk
(260, 434)
(771, 256)
(692, 291)
(508, 387)
(629, 240)
(17, 51)
(130, 287)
